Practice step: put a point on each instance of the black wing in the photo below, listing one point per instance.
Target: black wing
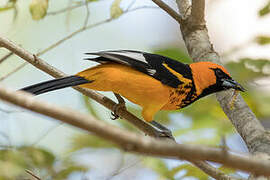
(150, 64)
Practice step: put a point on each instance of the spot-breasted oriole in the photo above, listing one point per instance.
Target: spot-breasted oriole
(152, 81)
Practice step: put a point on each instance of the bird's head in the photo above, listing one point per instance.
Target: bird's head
(210, 77)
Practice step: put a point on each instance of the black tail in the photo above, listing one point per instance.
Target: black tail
(55, 84)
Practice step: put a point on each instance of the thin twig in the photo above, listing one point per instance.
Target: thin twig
(75, 33)
(89, 27)
(46, 133)
(66, 9)
(169, 10)
(214, 172)
(121, 169)
(87, 14)
(69, 8)
(6, 57)
(13, 71)
(32, 174)
(130, 5)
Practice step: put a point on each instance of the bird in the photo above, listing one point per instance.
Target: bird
(152, 81)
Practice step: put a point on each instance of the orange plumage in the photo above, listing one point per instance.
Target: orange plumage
(152, 81)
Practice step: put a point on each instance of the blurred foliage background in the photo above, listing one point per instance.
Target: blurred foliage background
(37, 145)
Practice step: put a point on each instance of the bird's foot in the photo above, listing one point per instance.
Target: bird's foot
(121, 105)
(162, 131)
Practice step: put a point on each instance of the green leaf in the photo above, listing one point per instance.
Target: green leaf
(5, 8)
(116, 10)
(39, 157)
(227, 170)
(191, 171)
(9, 5)
(38, 9)
(10, 170)
(265, 10)
(262, 40)
(81, 141)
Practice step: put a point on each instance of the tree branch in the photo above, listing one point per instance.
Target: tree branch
(204, 166)
(210, 170)
(195, 35)
(44, 66)
(32, 174)
(133, 142)
(201, 49)
(6, 57)
(169, 10)
(87, 14)
(13, 71)
(197, 12)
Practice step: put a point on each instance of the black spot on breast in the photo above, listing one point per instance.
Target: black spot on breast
(180, 92)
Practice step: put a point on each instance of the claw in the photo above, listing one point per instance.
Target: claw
(163, 132)
(121, 104)
(114, 116)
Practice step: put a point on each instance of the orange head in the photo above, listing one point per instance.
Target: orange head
(210, 77)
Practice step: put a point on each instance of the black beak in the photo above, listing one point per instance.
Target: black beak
(230, 83)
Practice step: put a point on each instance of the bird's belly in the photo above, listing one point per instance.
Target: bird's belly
(137, 87)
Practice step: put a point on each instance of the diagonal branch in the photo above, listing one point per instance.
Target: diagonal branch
(169, 10)
(6, 57)
(212, 171)
(133, 142)
(108, 103)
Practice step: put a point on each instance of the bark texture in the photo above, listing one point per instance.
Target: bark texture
(195, 35)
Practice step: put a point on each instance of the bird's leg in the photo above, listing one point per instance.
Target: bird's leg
(165, 132)
(162, 131)
(121, 104)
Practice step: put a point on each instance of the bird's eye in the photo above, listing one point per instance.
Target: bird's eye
(219, 73)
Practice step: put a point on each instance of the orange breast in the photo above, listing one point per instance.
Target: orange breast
(176, 97)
